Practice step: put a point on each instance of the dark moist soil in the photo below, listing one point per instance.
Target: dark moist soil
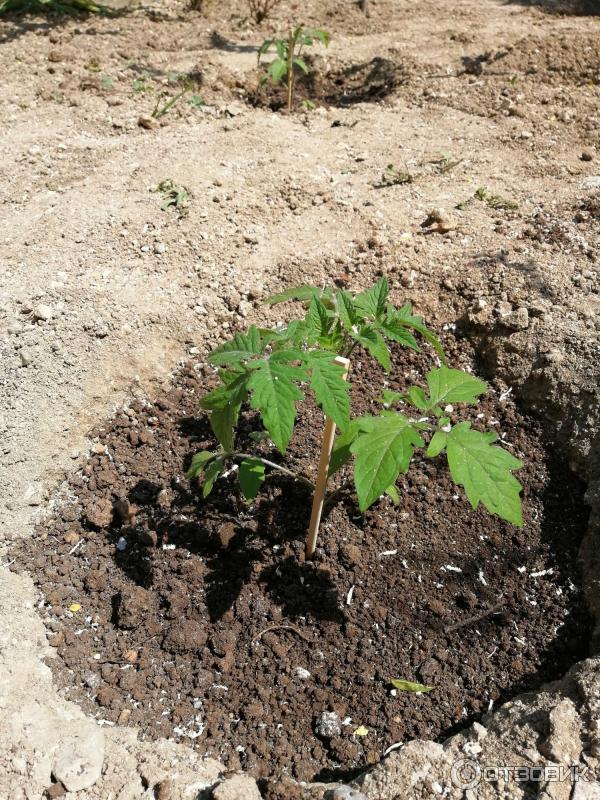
(200, 620)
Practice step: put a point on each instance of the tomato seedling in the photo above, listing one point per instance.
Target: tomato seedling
(272, 369)
(288, 60)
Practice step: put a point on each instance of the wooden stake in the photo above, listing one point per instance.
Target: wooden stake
(321, 483)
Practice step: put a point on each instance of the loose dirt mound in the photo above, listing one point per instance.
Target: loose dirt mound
(199, 619)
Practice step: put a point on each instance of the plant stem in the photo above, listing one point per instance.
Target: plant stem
(290, 72)
(351, 349)
(278, 467)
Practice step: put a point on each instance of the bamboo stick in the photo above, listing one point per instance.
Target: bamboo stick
(321, 482)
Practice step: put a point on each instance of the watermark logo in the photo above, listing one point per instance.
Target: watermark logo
(467, 773)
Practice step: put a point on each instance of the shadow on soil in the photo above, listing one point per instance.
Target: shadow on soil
(232, 542)
(575, 7)
(366, 82)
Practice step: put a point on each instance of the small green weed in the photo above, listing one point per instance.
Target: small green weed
(495, 201)
(174, 196)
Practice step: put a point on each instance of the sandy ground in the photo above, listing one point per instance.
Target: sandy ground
(102, 293)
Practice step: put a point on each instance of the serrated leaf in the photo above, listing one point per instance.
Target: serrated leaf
(233, 391)
(341, 453)
(383, 449)
(303, 293)
(409, 686)
(318, 33)
(223, 422)
(485, 472)
(453, 386)
(274, 394)
(397, 332)
(405, 317)
(242, 347)
(330, 388)
(347, 311)
(437, 444)
(199, 461)
(373, 300)
(317, 321)
(299, 62)
(417, 397)
(214, 469)
(277, 69)
(390, 398)
(296, 332)
(374, 342)
(264, 47)
(251, 475)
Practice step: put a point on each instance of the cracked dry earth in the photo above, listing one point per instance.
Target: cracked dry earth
(103, 294)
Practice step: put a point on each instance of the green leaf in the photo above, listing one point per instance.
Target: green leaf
(264, 48)
(485, 472)
(347, 311)
(418, 398)
(199, 461)
(296, 332)
(317, 320)
(274, 394)
(393, 494)
(299, 62)
(405, 317)
(453, 386)
(397, 332)
(242, 347)
(233, 391)
(277, 69)
(214, 469)
(251, 475)
(437, 444)
(341, 452)
(304, 293)
(374, 342)
(390, 398)
(318, 33)
(409, 686)
(383, 450)
(373, 300)
(330, 388)
(223, 422)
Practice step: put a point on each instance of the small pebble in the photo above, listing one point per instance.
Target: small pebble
(43, 312)
(328, 725)
(26, 357)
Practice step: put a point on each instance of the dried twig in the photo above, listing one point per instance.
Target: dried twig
(475, 618)
(286, 628)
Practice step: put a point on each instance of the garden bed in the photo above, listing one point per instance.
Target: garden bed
(200, 620)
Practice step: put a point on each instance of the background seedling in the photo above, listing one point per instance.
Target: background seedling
(53, 6)
(261, 9)
(163, 105)
(195, 101)
(288, 60)
(272, 368)
(446, 163)
(174, 196)
(395, 177)
(141, 84)
(495, 201)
